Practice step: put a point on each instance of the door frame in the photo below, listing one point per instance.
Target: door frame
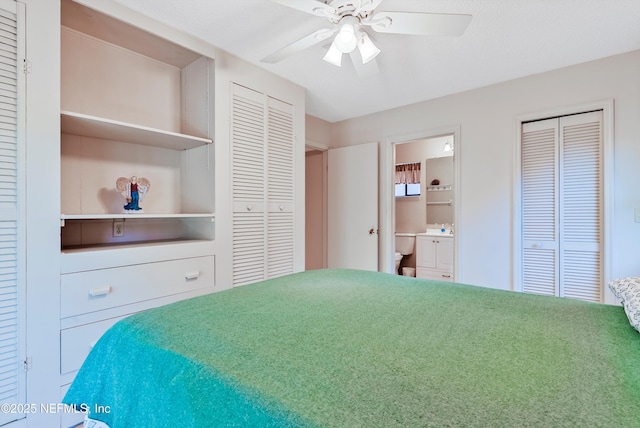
(387, 204)
(607, 107)
(313, 145)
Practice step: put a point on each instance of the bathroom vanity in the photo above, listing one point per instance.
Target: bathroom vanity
(434, 256)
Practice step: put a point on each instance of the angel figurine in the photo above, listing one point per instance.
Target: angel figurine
(134, 190)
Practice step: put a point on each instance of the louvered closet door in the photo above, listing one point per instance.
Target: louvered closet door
(539, 166)
(280, 185)
(248, 124)
(581, 184)
(12, 377)
(562, 206)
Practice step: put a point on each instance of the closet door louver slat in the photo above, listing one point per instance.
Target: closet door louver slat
(12, 378)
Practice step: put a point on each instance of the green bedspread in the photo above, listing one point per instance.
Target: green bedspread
(347, 348)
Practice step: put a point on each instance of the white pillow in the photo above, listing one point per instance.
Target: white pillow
(627, 290)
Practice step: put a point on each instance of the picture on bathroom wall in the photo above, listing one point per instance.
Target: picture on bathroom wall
(439, 197)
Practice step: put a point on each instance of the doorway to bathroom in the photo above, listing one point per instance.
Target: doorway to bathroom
(424, 206)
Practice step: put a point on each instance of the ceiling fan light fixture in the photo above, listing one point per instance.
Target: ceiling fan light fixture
(333, 55)
(368, 50)
(346, 39)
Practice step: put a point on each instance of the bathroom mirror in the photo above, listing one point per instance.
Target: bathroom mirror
(439, 190)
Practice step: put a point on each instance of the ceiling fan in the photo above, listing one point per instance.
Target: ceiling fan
(350, 21)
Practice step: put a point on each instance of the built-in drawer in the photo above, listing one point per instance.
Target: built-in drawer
(433, 274)
(90, 291)
(77, 342)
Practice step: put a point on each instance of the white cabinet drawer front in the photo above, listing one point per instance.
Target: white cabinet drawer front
(434, 274)
(77, 342)
(90, 291)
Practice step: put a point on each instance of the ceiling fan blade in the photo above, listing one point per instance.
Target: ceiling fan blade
(313, 7)
(364, 71)
(369, 5)
(300, 45)
(420, 24)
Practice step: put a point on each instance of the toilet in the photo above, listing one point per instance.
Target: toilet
(405, 243)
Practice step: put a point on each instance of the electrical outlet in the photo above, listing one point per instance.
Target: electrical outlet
(118, 228)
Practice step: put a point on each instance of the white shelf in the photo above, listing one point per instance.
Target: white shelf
(107, 129)
(132, 216)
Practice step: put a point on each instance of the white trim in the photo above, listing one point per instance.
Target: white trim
(325, 208)
(22, 199)
(607, 107)
(313, 145)
(309, 146)
(387, 213)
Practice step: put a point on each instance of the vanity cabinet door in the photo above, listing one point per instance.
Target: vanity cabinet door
(444, 254)
(434, 257)
(426, 252)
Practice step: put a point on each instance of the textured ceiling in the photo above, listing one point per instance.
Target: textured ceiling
(506, 39)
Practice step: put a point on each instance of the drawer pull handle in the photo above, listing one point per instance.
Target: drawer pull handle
(102, 291)
(446, 276)
(192, 275)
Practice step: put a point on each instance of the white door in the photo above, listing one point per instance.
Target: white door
(12, 211)
(352, 223)
(562, 206)
(262, 144)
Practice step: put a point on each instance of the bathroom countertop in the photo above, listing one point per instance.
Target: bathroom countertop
(435, 234)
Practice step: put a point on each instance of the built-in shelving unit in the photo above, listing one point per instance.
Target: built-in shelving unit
(132, 103)
(136, 105)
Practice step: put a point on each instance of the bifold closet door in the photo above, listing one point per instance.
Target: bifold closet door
(280, 188)
(12, 259)
(562, 206)
(581, 207)
(262, 185)
(248, 124)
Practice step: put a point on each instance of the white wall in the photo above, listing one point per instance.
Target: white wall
(317, 131)
(487, 120)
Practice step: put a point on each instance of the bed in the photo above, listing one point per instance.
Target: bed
(346, 348)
